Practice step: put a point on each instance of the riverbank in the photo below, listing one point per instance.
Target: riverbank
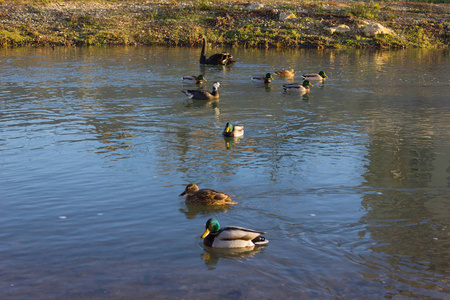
(266, 23)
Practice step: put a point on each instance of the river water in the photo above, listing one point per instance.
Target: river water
(351, 182)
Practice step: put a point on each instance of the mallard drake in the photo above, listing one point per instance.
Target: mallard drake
(202, 94)
(315, 76)
(215, 59)
(231, 237)
(233, 130)
(205, 196)
(266, 79)
(304, 87)
(285, 73)
(194, 79)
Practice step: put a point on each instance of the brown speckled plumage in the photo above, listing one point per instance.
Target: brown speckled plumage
(285, 73)
(205, 196)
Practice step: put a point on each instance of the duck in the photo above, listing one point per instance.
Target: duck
(266, 79)
(231, 237)
(202, 94)
(285, 73)
(233, 130)
(224, 58)
(205, 196)
(194, 79)
(304, 87)
(315, 76)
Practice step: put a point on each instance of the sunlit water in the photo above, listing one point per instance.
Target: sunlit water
(351, 182)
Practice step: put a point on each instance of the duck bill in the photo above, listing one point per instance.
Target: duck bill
(205, 234)
(182, 194)
(310, 84)
(229, 128)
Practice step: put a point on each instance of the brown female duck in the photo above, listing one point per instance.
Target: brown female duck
(205, 196)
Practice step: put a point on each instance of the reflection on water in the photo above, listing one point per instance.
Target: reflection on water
(351, 181)
(194, 211)
(211, 256)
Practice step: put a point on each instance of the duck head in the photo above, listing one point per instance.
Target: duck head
(200, 77)
(229, 128)
(269, 76)
(191, 188)
(322, 73)
(212, 226)
(306, 83)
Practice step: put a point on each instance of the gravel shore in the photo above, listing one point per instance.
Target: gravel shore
(268, 24)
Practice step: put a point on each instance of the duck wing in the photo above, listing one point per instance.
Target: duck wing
(312, 76)
(238, 233)
(189, 77)
(212, 194)
(197, 94)
(220, 59)
(285, 73)
(292, 86)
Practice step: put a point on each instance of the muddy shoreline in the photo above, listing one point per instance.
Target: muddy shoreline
(264, 24)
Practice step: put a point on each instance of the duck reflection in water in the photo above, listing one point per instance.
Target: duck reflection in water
(214, 104)
(211, 256)
(193, 211)
(229, 142)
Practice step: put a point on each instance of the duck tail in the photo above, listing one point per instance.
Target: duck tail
(260, 240)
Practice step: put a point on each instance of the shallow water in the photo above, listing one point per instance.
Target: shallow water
(351, 182)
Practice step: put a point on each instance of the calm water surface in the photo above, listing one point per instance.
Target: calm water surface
(351, 182)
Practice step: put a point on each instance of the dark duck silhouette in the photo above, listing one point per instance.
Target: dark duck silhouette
(215, 59)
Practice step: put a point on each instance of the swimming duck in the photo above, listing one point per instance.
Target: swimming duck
(285, 73)
(231, 237)
(202, 94)
(304, 87)
(194, 79)
(205, 196)
(315, 76)
(233, 130)
(215, 59)
(266, 79)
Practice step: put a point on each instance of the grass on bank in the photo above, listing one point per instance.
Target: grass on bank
(178, 23)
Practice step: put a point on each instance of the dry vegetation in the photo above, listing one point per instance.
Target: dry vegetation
(178, 23)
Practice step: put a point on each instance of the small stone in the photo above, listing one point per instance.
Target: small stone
(373, 29)
(284, 16)
(255, 6)
(339, 29)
